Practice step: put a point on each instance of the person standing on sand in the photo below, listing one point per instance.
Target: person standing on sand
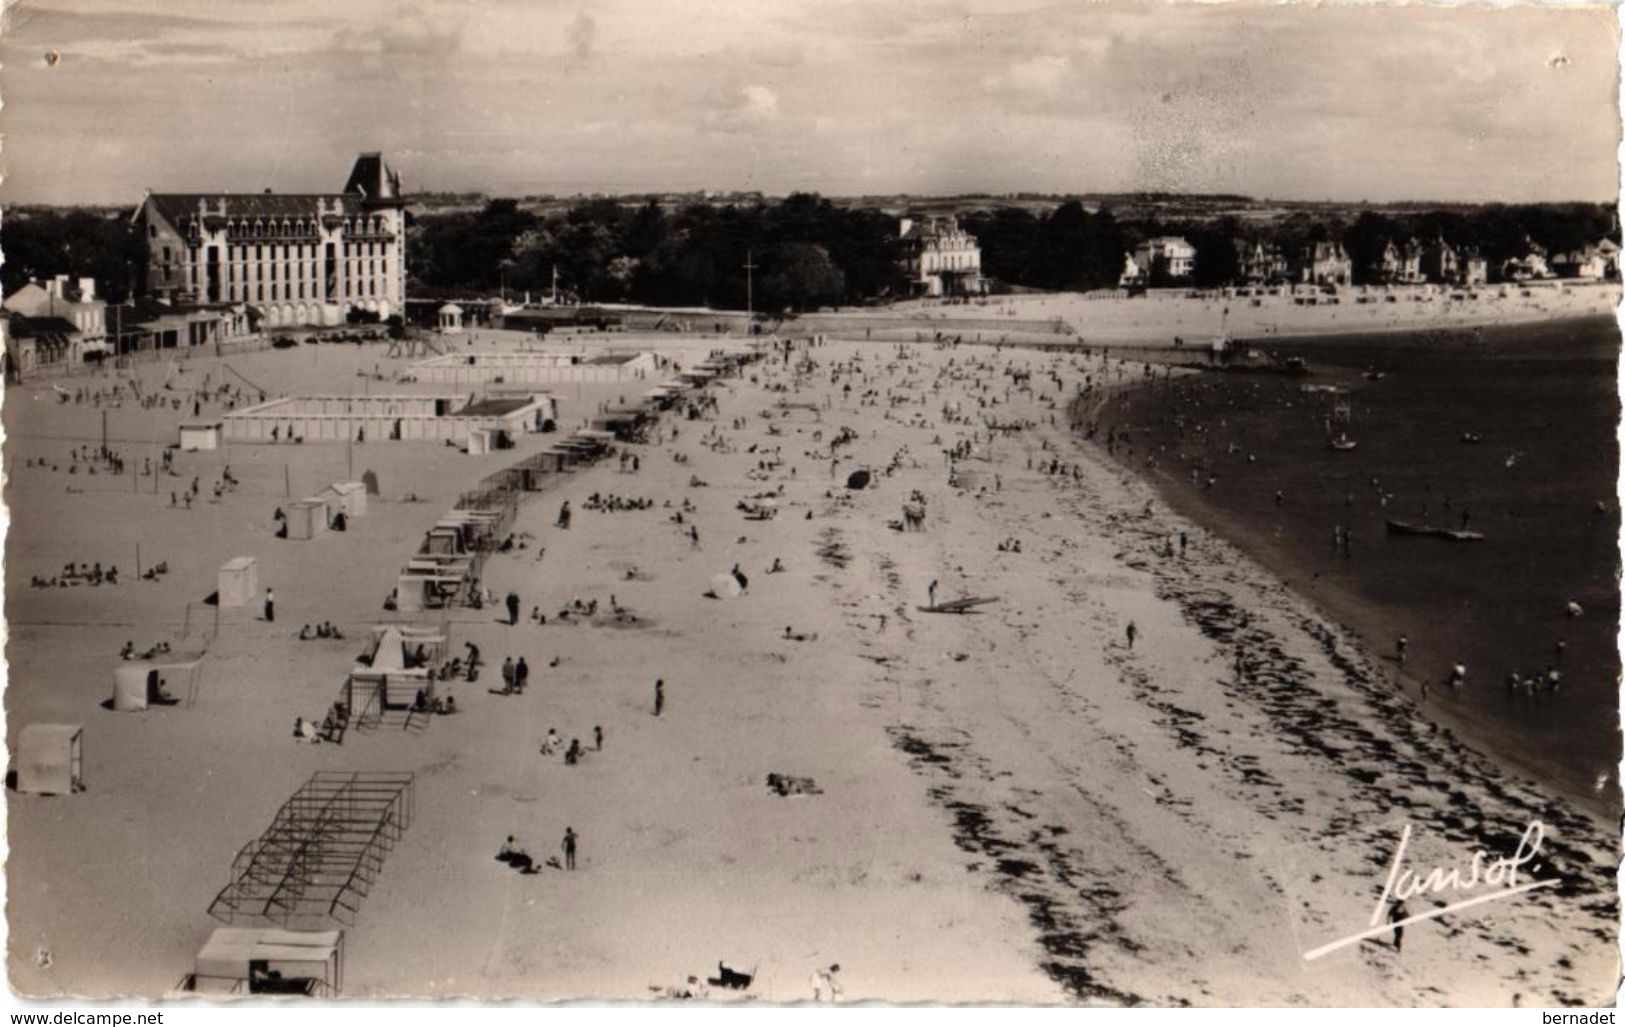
(507, 675)
(1400, 646)
(270, 604)
(513, 609)
(521, 675)
(1397, 915)
(597, 738)
(1131, 633)
(824, 984)
(569, 848)
(660, 695)
(931, 592)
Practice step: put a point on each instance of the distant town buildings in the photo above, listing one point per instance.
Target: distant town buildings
(1260, 263)
(1475, 269)
(940, 258)
(1167, 256)
(1440, 263)
(55, 323)
(1529, 265)
(1597, 261)
(1327, 263)
(1399, 264)
(290, 259)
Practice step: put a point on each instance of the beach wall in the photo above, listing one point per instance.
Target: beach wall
(375, 418)
(532, 369)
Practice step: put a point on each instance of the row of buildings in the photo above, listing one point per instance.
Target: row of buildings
(940, 259)
(218, 265)
(1173, 259)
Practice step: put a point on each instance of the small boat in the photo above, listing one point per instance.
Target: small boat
(1343, 443)
(1471, 436)
(1404, 528)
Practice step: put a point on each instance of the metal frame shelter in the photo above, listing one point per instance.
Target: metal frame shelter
(322, 852)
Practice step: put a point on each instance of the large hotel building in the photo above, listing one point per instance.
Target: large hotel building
(295, 259)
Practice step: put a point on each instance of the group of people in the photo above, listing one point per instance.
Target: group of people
(515, 855)
(127, 652)
(573, 753)
(86, 574)
(515, 676)
(323, 630)
(615, 504)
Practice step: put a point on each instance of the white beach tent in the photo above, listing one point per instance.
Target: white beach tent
(201, 435)
(348, 496)
(238, 582)
(307, 518)
(50, 759)
(241, 960)
(133, 685)
(136, 686)
(725, 586)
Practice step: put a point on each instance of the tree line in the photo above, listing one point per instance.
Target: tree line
(806, 252)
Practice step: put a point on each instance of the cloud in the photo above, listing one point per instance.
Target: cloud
(411, 34)
(582, 32)
(760, 103)
(743, 109)
(1039, 76)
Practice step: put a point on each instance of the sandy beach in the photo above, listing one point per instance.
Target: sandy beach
(1014, 804)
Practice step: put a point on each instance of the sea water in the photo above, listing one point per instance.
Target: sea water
(1510, 431)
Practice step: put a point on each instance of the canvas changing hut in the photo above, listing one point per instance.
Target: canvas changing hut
(238, 582)
(307, 518)
(139, 685)
(350, 497)
(268, 961)
(51, 759)
(198, 435)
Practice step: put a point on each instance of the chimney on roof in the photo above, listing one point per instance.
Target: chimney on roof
(903, 225)
(56, 287)
(87, 290)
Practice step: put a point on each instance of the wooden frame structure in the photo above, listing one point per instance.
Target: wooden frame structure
(322, 853)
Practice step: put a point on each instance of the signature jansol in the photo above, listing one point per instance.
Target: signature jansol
(1501, 874)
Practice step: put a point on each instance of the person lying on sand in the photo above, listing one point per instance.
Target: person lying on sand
(516, 857)
(798, 636)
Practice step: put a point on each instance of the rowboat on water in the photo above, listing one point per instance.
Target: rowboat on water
(1404, 528)
(1343, 443)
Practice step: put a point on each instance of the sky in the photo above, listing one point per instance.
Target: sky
(105, 99)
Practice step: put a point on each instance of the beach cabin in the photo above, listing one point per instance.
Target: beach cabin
(307, 518)
(51, 759)
(139, 685)
(268, 961)
(238, 582)
(201, 435)
(481, 441)
(346, 497)
(422, 588)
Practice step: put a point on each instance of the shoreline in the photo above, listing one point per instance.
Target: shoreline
(1342, 602)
